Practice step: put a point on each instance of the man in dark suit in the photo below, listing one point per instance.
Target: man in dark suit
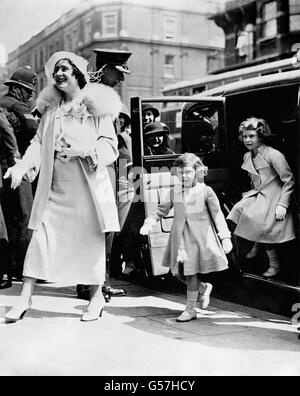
(111, 65)
(8, 153)
(17, 204)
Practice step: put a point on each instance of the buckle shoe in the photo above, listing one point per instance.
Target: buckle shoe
(187, 315)
(204, 298)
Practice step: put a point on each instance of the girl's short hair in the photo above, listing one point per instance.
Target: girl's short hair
(77, 73)
(192, 160)
(256, 124)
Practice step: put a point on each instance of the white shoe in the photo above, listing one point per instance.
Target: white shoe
(204, 298)
(272, 271)
(17, 312)
(94, 310)
(187, 315)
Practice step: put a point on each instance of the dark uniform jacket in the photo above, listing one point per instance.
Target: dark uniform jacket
(23, 122)
(17, 204)
(8, 143)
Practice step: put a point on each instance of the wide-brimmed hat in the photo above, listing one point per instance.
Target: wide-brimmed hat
(156, 128)
(25, 77)
(77, 60)
(149, 106)
(115, 57)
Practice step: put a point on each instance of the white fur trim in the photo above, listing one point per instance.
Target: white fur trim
(99, 99)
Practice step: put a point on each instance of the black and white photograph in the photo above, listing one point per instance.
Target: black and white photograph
(150, 191)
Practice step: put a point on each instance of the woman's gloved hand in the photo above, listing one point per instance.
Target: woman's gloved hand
(146, 229)
(227, 245)
(280, 212)
(148, 226)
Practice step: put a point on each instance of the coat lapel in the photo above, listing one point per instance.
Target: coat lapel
(248, 165)
(260, 162)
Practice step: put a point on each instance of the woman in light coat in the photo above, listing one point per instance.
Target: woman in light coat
(264, 215)
(74, 203)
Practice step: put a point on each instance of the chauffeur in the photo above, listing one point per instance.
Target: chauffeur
(16, 204)
(111, 65)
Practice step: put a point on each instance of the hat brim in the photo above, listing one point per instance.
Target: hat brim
(9, 82)
(77, 60)
(125, 116)
(122, 69)
(156, 132)
(155, 112)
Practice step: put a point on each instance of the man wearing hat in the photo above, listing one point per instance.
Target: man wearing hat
(111, 65)
(16, 204)
(8, 153)
(156, 139)
(149, 113)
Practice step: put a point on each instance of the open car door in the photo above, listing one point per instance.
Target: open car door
(194, 125)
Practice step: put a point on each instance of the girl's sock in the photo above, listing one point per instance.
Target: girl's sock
(192, 297)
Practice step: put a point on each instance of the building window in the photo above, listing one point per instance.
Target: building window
(36, 61)
(75, 38)
(244, 43)
(294, 15)
(88, 30)
(170, 28)
(41, 84)
(110, 24)
(269, 19)
(51, 50)
(41, 57)
(57, 45)
(68, 42)
(169, 66)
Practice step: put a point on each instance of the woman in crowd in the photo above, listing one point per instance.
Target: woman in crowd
(74, 203)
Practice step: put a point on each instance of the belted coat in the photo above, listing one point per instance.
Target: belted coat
(197, 228)
(273, 184)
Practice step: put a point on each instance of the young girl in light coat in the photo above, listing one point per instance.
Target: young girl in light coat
(199, 238)
(264, 213)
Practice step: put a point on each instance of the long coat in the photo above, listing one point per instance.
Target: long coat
(200, 224)
(273, 184)
(103, 105)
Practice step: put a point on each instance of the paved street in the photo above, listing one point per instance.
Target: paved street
(138, 336)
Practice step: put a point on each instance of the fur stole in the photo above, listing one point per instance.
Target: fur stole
(100, 100)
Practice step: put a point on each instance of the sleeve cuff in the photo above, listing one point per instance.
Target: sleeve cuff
(150, 221)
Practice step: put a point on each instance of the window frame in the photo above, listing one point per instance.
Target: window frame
(106, 26)
(268, 21)
(88, 30)
(169, 68)
(294, 14)
(170, 34)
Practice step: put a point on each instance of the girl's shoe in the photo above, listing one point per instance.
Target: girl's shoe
(204, 298)
(93, 311)
(187, 315)
(17, 313)
(272, 271)
(253, 252)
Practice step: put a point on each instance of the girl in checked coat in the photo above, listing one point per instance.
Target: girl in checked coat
(264, 215)
(74, 203)
(199, 237)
